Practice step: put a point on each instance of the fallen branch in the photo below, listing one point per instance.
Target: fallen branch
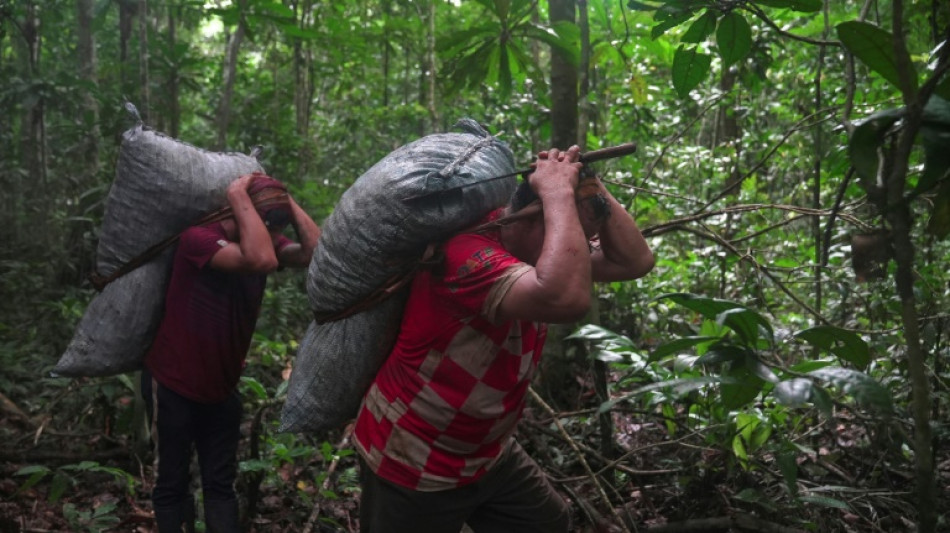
(742, 522)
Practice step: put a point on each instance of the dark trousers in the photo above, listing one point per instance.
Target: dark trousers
(513, 497)
(181, 426)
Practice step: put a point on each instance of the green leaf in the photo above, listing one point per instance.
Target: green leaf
(825, 501)
(678, 345)
(794, 392)
(254, 386)
(700, 28)
(846, 345)
(741, 389)
(734, 38)
(679, 386)
(822, 400)
(935, 136)
(866, 140)
(721, 353)
(748, 324)
(739, 449)
(788, 466)
(690, 68)
(669, 18)
(862, 387)
(804, 6)
(939, 223)
(759, 369)
(634, 5)
(591, 332)
(875, 48)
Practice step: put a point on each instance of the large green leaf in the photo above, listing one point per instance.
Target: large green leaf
(805, 6)
(939, 223)
(862, 387)
(679, 386)
(741, 389)
(679, 345)
(734, 37)
(721, 353)
(795, 392)
(563, 36)
(690, 68)
(700, 28)
(670, 16)
(875, 48)
(759, 369)
(749, 325)
(866, 140)
(846, 345)
(935, 135)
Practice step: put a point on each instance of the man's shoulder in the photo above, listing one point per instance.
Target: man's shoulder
(199, 243)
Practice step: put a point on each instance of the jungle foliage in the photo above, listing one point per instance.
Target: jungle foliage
(783, 368)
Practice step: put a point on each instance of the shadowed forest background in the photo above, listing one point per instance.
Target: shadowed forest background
(784, 367)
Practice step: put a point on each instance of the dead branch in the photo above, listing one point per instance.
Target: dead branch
(740, 522)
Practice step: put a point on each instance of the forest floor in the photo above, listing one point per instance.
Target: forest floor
(53, 480)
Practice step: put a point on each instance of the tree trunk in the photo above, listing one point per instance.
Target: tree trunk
(173, 82)
(899, 217)
(32, 129)
(563, 85)
(145, 105)
(89, 140)
(584, 118)
(229, 72)
(431, 67)
(126, 15)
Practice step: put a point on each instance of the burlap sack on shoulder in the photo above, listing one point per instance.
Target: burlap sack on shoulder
(161, 187)
(373, 236)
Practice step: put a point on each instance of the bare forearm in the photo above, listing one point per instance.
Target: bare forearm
(563, 269)
(308, 233)
(624, 253)
(254, 241)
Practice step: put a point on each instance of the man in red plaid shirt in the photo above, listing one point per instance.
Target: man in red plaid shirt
(435, 429)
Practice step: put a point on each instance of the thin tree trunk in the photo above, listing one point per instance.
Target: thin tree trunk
(387, 50)
(900, 218)
(563, 84)
(145, 104)
(89, 138)
(173, 83)
(816, 177)
(584, 118)
(229, 72)
(431, 67)
(126, 15)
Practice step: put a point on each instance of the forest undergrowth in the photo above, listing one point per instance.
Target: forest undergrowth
(658, 473)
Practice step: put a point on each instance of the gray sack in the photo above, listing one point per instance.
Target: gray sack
(372, 235)
(161, 187)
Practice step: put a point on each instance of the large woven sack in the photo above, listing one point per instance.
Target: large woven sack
(373, 235)
(161, 187)
(335, 364)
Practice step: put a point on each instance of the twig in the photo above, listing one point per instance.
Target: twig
(770, 23)
(730, 523)
(678, 136)
(315, 512)
(537, 398)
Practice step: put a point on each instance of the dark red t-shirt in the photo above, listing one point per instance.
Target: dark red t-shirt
(209, 320)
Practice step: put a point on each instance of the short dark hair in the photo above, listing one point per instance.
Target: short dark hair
(276, 218)
(525, 195)
(522, 196)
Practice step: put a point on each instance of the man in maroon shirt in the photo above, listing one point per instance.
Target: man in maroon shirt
(193, 367)
(434, 432)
